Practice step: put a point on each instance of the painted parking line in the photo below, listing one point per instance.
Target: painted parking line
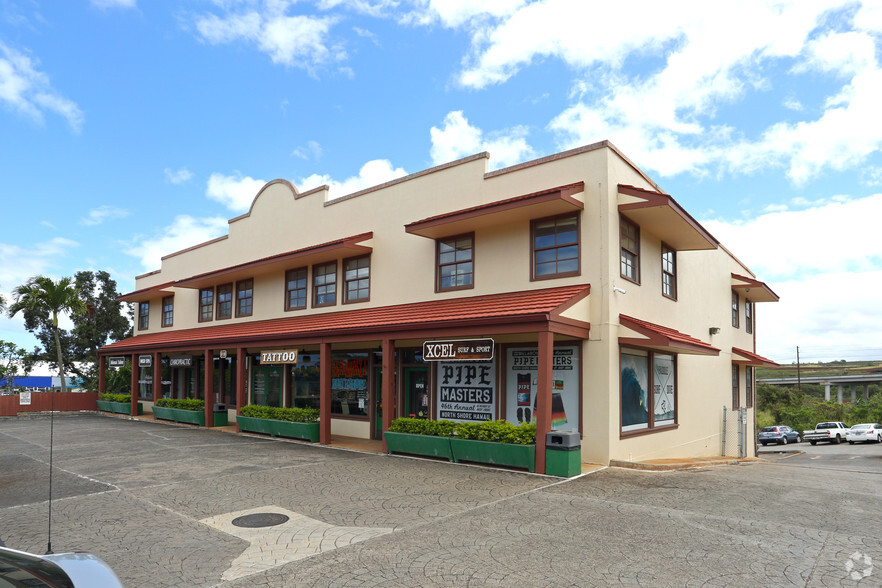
(815, 457)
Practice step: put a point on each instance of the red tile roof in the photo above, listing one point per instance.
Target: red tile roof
(498, 309)
(752, 358)
(665, 338)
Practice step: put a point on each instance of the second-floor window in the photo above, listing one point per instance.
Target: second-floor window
(224, 301)
(143, 315)
(454, 263)
(555, 245)
(244, 297)
(295, 289)
(748, 316)
(168, 311)
(630, 246)
(206, 304)
(669, 272)
(748, 385)
(735, 318)
(357, 279)
(324, 284)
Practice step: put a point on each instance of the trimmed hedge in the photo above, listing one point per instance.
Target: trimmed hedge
(495, 431)
(182, 403)
(115, 397)
(293, 415)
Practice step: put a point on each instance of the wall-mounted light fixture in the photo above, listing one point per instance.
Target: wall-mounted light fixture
(714, 330)
(619, 290)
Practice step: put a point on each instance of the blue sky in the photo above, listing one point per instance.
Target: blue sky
(130, 129)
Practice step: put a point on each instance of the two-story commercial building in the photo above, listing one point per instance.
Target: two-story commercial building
(570, 291)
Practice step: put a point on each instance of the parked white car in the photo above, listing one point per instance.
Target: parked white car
(865, 432)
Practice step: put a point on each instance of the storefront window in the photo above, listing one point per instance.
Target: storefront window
(349, 384)
(637, 382)
(305, 384)
(522, 369)
(266, 385)
(467, 390)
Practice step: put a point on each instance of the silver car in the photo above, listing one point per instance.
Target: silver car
(78, 569)
(864, 432)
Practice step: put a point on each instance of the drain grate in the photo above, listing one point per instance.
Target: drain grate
(260, 519)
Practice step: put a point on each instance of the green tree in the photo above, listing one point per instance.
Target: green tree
(43, 299)
(105, 322)
(11, 357)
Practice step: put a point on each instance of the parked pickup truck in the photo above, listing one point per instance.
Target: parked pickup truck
(834, 432)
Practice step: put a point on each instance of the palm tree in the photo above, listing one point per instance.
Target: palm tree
(43, 297)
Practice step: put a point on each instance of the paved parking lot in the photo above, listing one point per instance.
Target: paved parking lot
(158, 502)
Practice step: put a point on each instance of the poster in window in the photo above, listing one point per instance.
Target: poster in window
(635, 381)
(467, 391)
(522, 370)
(663, 390)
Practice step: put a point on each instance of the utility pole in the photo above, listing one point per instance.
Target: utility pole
(798, 378)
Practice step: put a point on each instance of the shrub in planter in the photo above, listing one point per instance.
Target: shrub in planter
(292, 415)
(115, 397)
(423, 427)
(295, 423)
(181, 403)
(498, 432)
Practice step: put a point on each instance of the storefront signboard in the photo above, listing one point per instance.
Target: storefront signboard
(278, 356)
(465, 350)
(116, 361)
(522, 369)
(145, 361)
(180, 361)
(467, 391)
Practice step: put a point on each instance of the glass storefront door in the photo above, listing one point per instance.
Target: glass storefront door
(416, 392)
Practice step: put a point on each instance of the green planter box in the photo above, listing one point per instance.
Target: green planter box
(192, 417)
(505, 454)
(308, 431)
(118, 407)
(426, 445)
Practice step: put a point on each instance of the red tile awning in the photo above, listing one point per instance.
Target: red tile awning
(753, 289)
(347, 247)
(661, 215)
(549, 202)
(750, 358)
(515, 312)
(663, 338)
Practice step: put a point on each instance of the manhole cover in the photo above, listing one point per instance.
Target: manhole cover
(260, 519)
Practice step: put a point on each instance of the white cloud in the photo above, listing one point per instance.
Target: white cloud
(312, 150)
(185, 231)
(28, 91)
(294, 41)
(824, 263)
(17, 263)
(372, 173)
(114, 3)
(457, 138)
(235, 192)
(103, 213)
(178, 176)
(455, 13)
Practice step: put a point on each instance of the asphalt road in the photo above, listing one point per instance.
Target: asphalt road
(158, 502)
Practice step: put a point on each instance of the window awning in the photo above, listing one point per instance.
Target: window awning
(348, 247)
(514, 312)
(550, 202)
(661, 215)
(750, 358)
(752, 289)
(145, 293)
(663, 338)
